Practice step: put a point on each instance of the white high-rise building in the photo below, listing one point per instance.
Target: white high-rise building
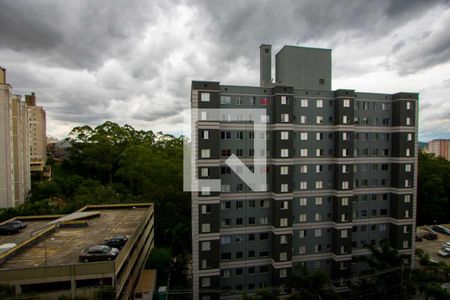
(15, 181)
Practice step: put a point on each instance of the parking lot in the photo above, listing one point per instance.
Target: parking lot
(432, 247)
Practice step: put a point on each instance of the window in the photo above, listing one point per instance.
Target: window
(345, 120)
(304, 136)
(346, 103)
(319, 152)
(206, 209)
(204, 172)
(283, 222)
(406, 183)
(344, 152)
(284, 170)
(302, 218)
(345, 185)
(284, 153)
(302, 250)
(284, 205)
(301, 233)
(345, 168)
(344, 218)
(317, 248)
(304, 103)
(344, 233)
(406, 213)
(405, 229)
(283, 239)
(303, 119)
(319, 120)
(205, 153)
(408, 168)
(206, 190)
(283, 273)
(263, 236)
(318, 168)
(319, 200)
(345, 136)
(251, 101)
(206, 281)
(264, 203)
(318, 217)
(284, 188)
(225, 100)
(206, 227)
(284, 118)
(206, 246)
(304, 169)
(264, 220)
(303, 201)
(317, 232)
(303, 152)
(303, 185)
(284, 100)
(344, 201)
(408, 105)
(205, 134)
(265, 119)
(264, 101)
(319, 184)
(407, 198)
(409, 137)
(408, 121)
(204, 97)
(408, 152)
(319, 103)
(405, 244)
(319, 136)
(284, 135)
(283, 256)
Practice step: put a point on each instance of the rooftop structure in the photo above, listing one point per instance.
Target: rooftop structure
(45, 261)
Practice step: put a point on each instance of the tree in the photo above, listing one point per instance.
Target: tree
(309, 285)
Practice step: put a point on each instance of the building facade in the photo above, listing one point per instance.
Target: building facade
(37, 134)
(440, 147)
(15, 181)
(341, 174)
(6, 151)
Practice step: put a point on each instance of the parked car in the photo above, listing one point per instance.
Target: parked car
(418, 238)
(19, 224)
(6, 247)
(444, 252)
(441, 229)
(98, 253)
(431, 235)
(7, 229)
(117, 241)
(446, 245)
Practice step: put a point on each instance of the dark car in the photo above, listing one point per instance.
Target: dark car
(19, 224)
(441, 229)
(430, 236)
(117, 241)
(98, 253)
(8, 229)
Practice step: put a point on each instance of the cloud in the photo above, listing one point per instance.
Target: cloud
(133, 62)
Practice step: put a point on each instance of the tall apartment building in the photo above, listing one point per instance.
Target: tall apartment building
(341, 173)
(440, 147)
(37, 134)
(14, 147)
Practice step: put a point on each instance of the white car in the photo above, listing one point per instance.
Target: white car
(444, 252)
(446, 245)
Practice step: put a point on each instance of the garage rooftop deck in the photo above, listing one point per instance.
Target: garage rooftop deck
(63, 245)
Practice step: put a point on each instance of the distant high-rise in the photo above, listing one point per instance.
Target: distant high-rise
(37, 134)
(14, 147)
(440, 147)
(341, 174)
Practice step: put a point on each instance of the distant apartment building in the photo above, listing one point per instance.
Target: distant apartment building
(341, 174)
(44, 263)
(37, 134)
(440, 147)
(14, 144)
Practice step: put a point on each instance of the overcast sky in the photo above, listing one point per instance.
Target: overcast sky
(133, 61)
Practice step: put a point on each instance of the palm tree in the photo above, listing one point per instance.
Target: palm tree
(310, 285)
